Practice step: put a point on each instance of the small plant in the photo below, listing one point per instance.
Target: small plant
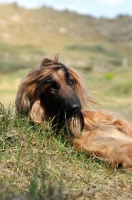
(117, 61)
(109, 75)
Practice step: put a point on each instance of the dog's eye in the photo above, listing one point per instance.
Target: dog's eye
(71, 82)
(53, 87)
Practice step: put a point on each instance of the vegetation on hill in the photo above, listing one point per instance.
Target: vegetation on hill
(28, 35)
(39, 164)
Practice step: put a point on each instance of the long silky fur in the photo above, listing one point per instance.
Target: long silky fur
(104, 133)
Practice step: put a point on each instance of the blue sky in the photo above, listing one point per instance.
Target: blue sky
(96, 8)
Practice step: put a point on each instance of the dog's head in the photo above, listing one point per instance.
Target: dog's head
(52, 90)
(56, 92)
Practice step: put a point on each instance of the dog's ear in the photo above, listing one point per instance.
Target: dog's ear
(36, 113)
(22, 103)
(26, 95)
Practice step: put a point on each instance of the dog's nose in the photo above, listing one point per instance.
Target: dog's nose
(75, 108)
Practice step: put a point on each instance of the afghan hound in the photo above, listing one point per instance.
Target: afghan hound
(53, 91)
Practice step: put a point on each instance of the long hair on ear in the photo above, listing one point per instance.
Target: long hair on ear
(26, 95)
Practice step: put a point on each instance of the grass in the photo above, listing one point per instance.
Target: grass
(16, 57)
(94, 49)
(104, 56)
(38, 163)
(9, 85)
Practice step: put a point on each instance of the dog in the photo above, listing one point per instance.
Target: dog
(53, 91)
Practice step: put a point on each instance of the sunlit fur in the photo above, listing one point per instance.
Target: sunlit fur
(104, 133)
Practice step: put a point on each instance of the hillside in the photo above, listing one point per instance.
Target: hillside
(28, 35)
(37, 163)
